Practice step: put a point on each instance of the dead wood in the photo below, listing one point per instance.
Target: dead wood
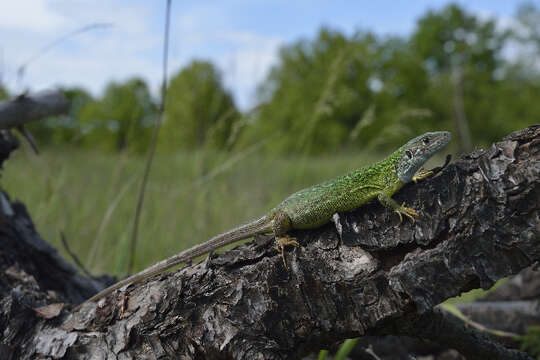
(480, 222)
(26, 108)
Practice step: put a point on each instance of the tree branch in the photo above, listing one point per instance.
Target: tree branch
(26, 108)
(479, 222)
(509, 316)
(512, 307)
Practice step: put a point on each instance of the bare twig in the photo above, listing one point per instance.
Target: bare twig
(21, 69)
(152, 149)
(26, 108)
(29, 137)
(371, 352)
(14, 113)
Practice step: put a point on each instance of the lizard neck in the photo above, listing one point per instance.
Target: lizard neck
(387, 171)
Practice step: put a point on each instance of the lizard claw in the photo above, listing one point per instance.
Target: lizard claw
(281, 243)
(408, 212)
(422, 174)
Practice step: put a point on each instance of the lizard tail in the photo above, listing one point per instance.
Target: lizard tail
(244, 231)
(259, 226)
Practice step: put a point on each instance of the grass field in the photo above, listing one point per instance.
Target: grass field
(91, 197)
(191, 196)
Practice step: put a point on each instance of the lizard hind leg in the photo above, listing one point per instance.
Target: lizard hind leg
(281, 243)
(281, 225)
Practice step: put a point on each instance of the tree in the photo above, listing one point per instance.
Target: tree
(122, 118)
(443, 37)
(332, 90)
(336, 90)
(527, 32)
(458, 48)
(3, 92)
(63, 129)
(302, 93)
(199, 111)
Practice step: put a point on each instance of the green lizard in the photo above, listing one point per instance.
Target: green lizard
(314, 206)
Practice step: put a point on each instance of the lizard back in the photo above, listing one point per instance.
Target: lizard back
(314, 206)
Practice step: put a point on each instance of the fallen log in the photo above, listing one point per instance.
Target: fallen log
(479, 222)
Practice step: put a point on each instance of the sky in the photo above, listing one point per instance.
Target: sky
(242, 37)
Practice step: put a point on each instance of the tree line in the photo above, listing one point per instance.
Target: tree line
(455, 71)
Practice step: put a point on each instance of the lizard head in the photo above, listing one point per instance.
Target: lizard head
(418, 151)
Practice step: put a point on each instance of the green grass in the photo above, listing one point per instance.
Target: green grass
(91, 197)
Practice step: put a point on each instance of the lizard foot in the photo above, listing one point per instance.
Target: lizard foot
(408, 212)
(422, 174)
(281, 243)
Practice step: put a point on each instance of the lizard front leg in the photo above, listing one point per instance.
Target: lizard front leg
(422, 174)
(390, 203)
(281, 224)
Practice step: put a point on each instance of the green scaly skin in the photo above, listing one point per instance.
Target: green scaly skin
(314, 206)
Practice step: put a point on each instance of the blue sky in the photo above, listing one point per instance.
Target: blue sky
(241, 36)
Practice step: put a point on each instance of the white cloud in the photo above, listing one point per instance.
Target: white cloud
(29, 15)
(89, 59)
(513, 50)
(131, 47)
(247, 63)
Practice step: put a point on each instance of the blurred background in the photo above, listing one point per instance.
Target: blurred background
(264, 98)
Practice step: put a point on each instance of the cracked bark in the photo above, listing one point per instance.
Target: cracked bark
(480, 222)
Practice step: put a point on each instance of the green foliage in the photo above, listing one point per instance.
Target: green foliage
(3, 92)
(64, 128)
(334, 92)
(445, 37)
(322, 355)
(200, 111)
(528, 16)
(122, 118)
(317, 93)
(323, 91)
(345, 349)
(530, 342)
(453, 43)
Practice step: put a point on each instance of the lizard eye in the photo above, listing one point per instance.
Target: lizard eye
(425, 141)
(408, 153)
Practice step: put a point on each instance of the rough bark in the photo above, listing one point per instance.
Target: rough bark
(8, 143)
(26, 108)
(479, 222)
(33, 275)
